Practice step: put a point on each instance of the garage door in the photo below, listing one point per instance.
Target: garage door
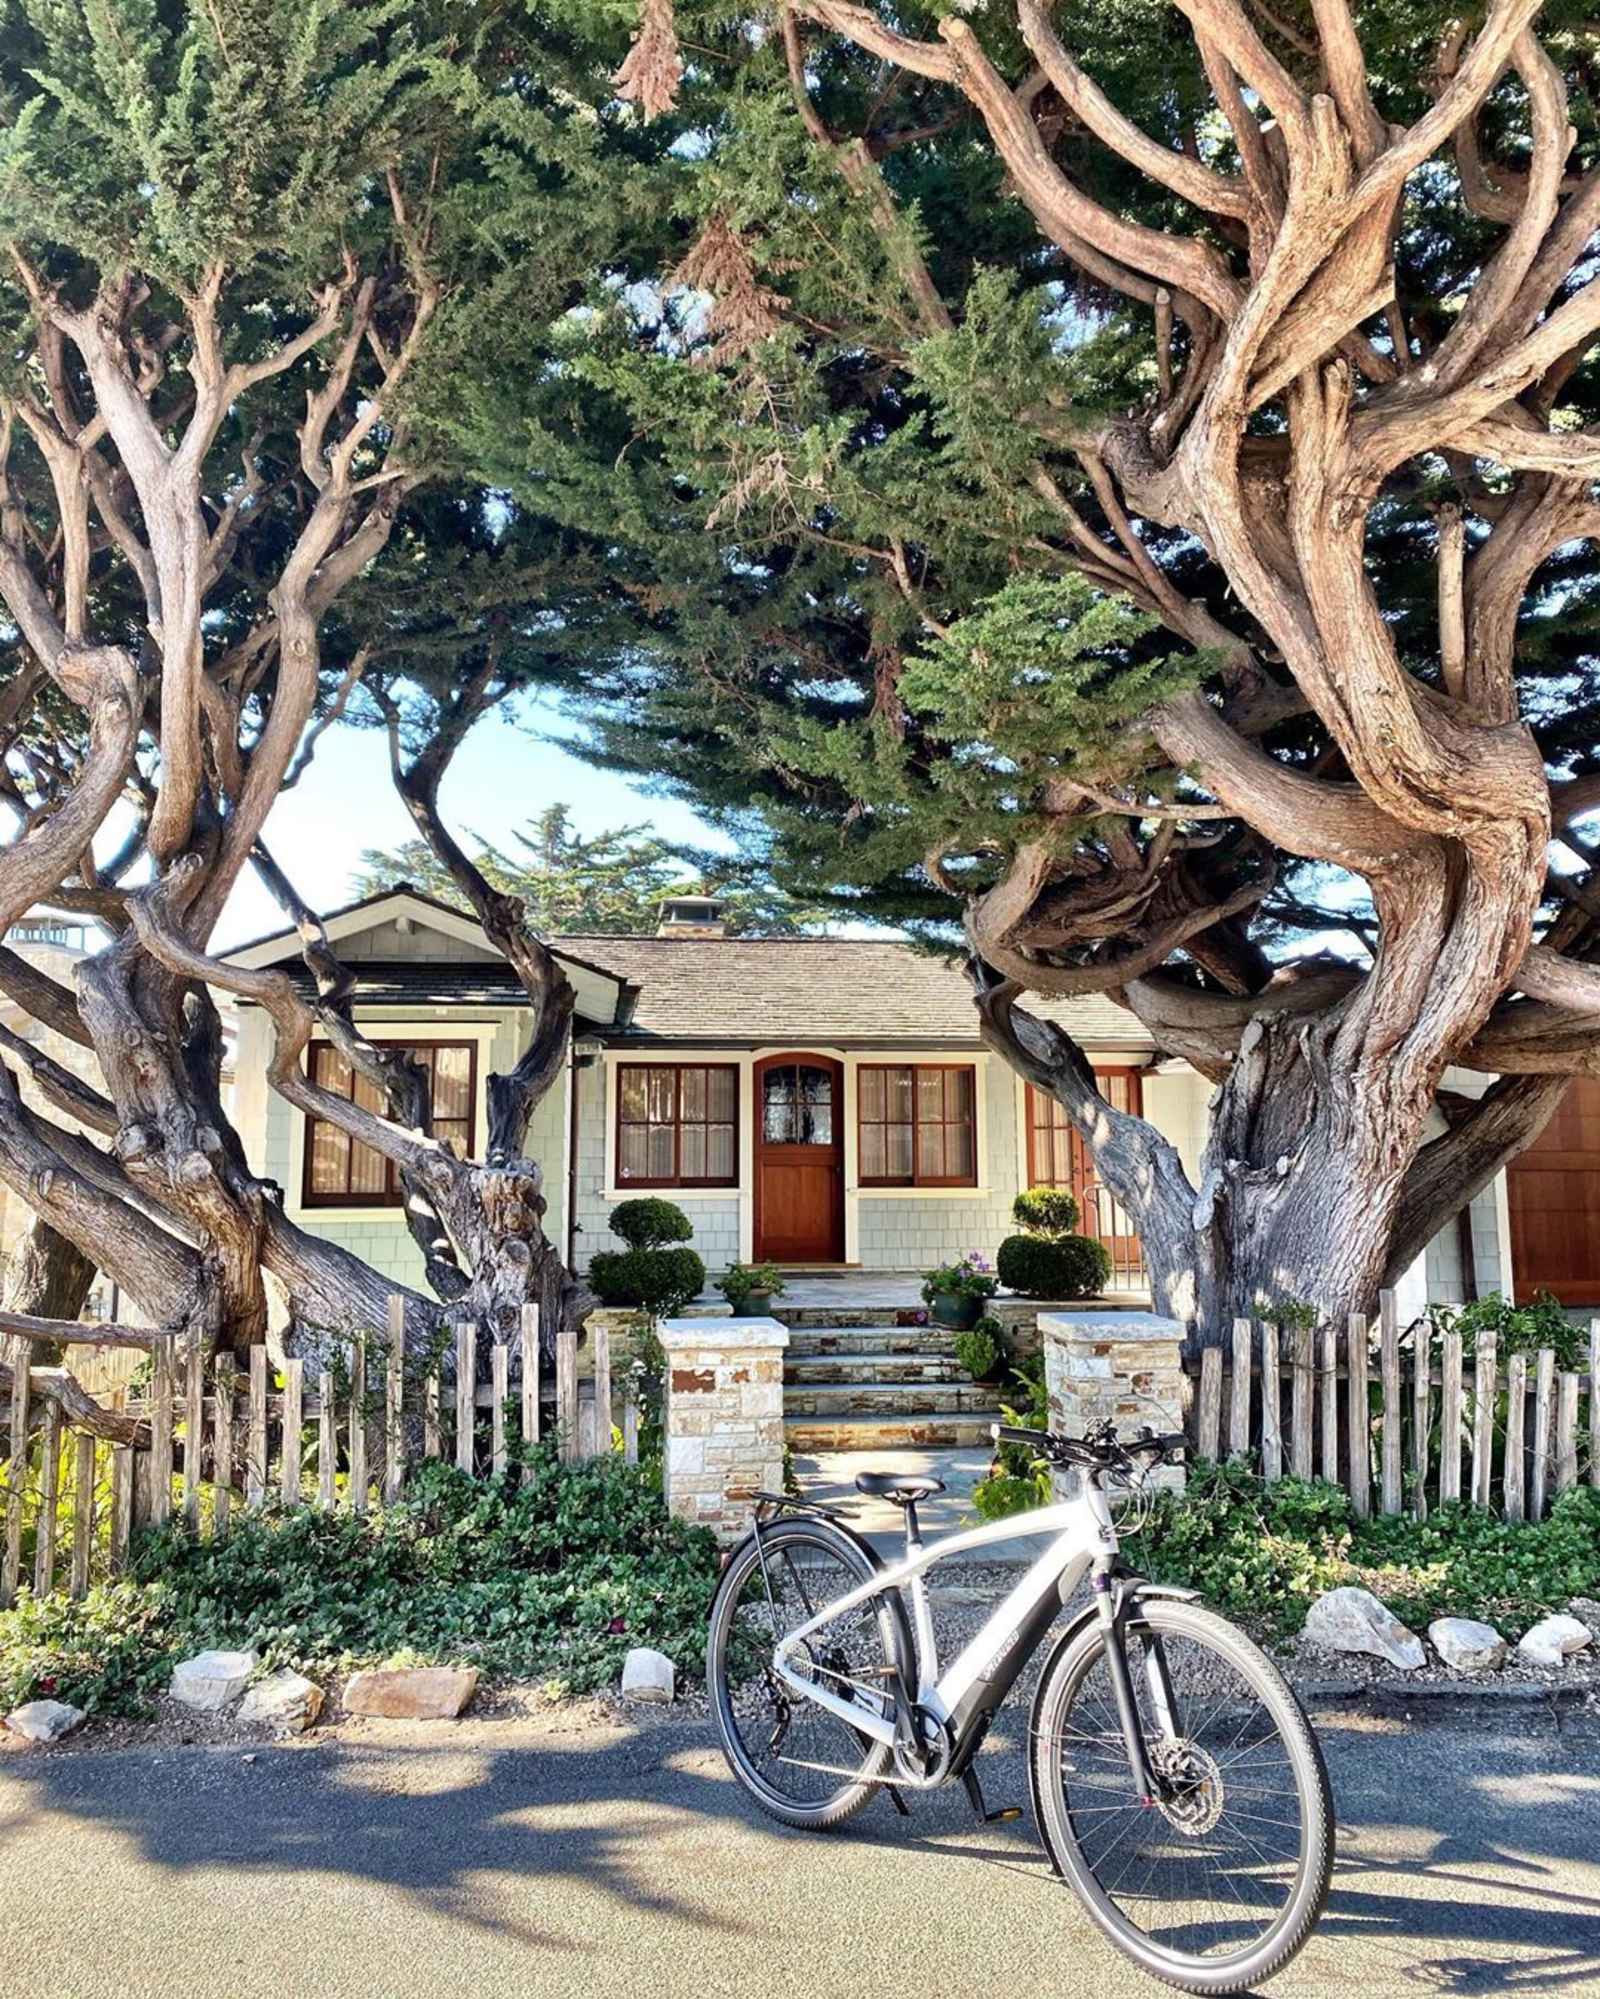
(1554, 1196)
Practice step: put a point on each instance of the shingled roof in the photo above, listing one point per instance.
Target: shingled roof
(841, 991)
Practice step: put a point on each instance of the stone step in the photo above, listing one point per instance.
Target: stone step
(887, 1399)
(817, 1370)
(809, 1434)
(810, 1316)
(808, 1341)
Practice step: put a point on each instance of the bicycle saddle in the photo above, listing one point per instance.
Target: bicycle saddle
(905, 1488)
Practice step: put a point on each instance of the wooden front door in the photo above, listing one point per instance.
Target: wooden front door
(799, 1155)
(1553, 1191)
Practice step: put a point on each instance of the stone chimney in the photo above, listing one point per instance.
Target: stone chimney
(691, 916)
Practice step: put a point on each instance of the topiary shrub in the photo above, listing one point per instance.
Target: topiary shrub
(662, 1281)
(1045, 1211)
(1041, 1266)
(648, 1222)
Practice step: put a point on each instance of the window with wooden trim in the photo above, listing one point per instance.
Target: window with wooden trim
(340, 1172)
(677, 1124)
(1057, 1156)
(916, 1125)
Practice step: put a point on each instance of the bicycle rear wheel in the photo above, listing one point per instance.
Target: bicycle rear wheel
(799, 1762)
(1217, 1887)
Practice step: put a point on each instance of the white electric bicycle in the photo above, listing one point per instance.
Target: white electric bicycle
(1176, 1782)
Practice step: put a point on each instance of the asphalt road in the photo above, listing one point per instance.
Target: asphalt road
(529, 1858)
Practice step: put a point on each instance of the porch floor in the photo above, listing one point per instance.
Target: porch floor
(886, 1290)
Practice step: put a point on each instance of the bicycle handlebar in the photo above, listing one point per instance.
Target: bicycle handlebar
(1103, 1450)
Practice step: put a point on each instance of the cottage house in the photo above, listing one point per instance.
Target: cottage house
(816, 1101)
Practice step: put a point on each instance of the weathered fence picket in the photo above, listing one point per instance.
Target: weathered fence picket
(1330, 1403)
(222, 1447)
(1543, 1384)
(293, 1416)
(194, 1429)
(1421, 1385)
(567, 1392)
(1566, 1431)
(1484, 1370)
(1209, 1416)
(1300, 1405)
(1514, 1476)
(44, 1532)
(255, 1477)
(327, 1443)
(466, 1395)
(83, 1497)
(1360, 1419)
(1450, 1420)
(122, 1481)
(500, 1388)
(16, 1478)
(1389, 1372)
(394, 1428)
(1271, 1405)
(358, 1424)
(160, 1487)
(530, 1373)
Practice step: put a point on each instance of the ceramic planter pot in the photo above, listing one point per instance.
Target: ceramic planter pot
(958, 1314)
(754, 1305)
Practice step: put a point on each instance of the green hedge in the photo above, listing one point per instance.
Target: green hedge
(662, 1281)
(649, 1222)
(1039, 1266)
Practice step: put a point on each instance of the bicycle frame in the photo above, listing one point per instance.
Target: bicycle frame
(963, 1698)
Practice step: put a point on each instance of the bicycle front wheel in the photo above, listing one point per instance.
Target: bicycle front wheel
(1217, 1886)
(800, 1762)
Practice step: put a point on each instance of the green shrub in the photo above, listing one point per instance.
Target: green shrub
(1542, 1322)
(648, 1223)
(1045, 1211)
(1038, 1266)
(108, 1654)
(979, 1351)
(662, 1281)
(751, 1280)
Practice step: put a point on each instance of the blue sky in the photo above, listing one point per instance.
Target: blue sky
(501, 777)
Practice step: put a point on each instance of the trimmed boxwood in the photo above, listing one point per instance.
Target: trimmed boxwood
(1045, 1211)
(647, 1222)
(1041, 1266)
(661, 1280)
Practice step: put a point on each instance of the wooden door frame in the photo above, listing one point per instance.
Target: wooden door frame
(758, 1072)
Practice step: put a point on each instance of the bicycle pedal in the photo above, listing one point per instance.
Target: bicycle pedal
(980, 1810)
(1004, 1816)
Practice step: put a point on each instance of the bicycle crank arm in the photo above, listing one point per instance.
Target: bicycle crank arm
(897, 1782)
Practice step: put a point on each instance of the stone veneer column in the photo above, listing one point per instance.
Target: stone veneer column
(1123, 1366)
(724, 1418)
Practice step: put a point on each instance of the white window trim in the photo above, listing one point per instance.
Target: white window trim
(481, 1033)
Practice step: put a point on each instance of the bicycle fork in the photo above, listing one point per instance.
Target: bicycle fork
(1110, 1600)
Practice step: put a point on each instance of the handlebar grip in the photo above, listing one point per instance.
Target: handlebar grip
(1007, 1433)
(1174, 1442)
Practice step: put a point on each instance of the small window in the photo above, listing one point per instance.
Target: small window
(342, 1173)
(677, 1124)
(917, 1125)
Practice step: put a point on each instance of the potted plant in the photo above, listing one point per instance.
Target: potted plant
(750, 1288)
(982, 1350)
(956, 1293)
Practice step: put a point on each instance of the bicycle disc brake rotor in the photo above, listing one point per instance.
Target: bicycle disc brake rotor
(1196, 1799)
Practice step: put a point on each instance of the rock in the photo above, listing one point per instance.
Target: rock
(411, 1693)
(286, 1701)
(210, 1680)
(1353, 1620)
(648, 1676)
(1553, 1640)
(43, 1721)
(1465, 1643)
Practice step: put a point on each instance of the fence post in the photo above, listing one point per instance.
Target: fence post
(16, 1476)
(327, 1442)
(1485, 1369)
(1421, 1390)
(1330, 1404)
(194, 1429)
(222, 1446)
(630, 1422)
(1566, 1431)
(358, 1424)
(1360, 1419)
(500, 1388)
(530, 1374)
(255, 1477)
(44, 1541)
(1389, 1362)
(1543, 1382)
(432, 1442)
(466, 1393)
(1300, 1403)
(122, 1473)
(1208, 1421)
(1239, 1413)
(600, 1334)
(1450, 1421)
(1513, 1486)
(567, 1392)
(294, 1379)
(394, 1427)
(1271, 1406)
(82, 1511)
(161, 1391)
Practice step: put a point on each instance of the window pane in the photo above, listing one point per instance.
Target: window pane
(874, 1153)
(452, 1083)
(897, 1095)
(660, 1155)
(815, 1095)
(369, 1096)
(333, 1071)
(897, 1143)
(692, 1087)
(456, 1132)
(778, 1107)
(369, 1171)
(719, 1152)
(633, 1095)
(631, 1157)
(663, 1098)
(958, 1151)
(693, 1164)
(930, 1095)
(958, 1092)
(722, 1095)
(871, 1083)
(330, 1158)
(930, 1152)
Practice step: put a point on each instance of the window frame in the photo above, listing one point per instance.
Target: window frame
(392, 1196)
(916, 1180)
(1035, 1129)
(631, 1183)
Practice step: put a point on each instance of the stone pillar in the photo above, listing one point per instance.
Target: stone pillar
(724, 1418)
(1123, 1366)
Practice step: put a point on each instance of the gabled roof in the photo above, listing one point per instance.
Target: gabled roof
(602, 993)
(837, 991)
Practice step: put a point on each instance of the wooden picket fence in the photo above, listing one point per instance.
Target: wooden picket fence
(219, 1440)
(1372, 1409)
